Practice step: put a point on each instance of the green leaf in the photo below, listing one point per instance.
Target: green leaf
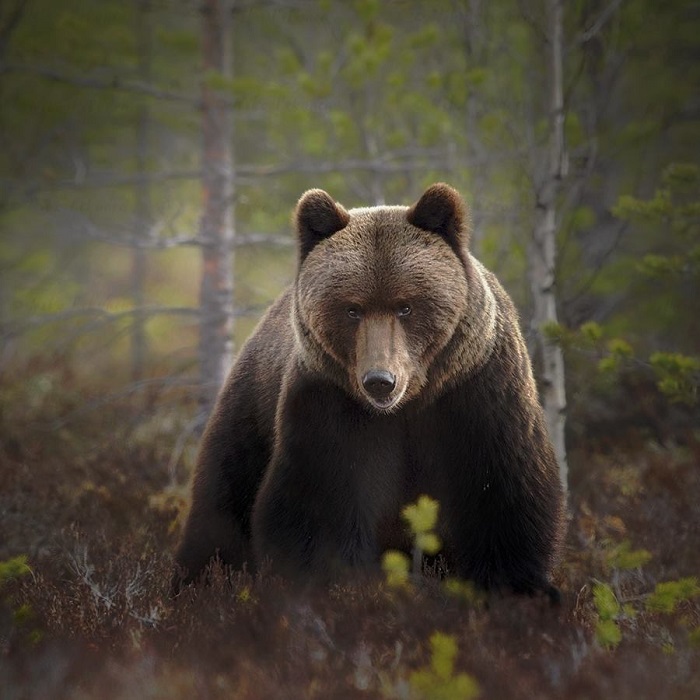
(620, 348)
(623, 557)
(396, 566)
(13, 568)
(554, 332)
(608, 634)
(422, 515)
(428, 542)
(444, 650)
(681, 174)
(438, 681)
(606, 604)
(591, 331)
(668, 595)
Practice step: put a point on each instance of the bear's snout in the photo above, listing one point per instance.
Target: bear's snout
(379, 383)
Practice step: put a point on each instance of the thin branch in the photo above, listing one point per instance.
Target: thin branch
(111, 83)
(87, 182)
(92, 314)
(11, 25)
(604, 16)
(599, 265)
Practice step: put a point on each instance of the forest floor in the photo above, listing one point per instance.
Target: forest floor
(86, 494)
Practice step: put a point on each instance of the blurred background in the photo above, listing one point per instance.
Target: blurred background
(151, 155)
(152, 151)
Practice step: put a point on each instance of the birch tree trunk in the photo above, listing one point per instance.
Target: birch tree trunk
(142, 193)
(543, 248)
(474, 40)
(216, 225)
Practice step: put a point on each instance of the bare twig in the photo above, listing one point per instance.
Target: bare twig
(113, 82)
(604, 16)
(9, 27)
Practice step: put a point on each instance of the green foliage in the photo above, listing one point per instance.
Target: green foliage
(465, 590)
(619, 350)
(591, 332)
(666, 231)
(556, 333)
(668, 595)
(607, 631)
(624, 558)
(421, 517)
(678, 376)
(14, 568)
(438, 681)
(396, 566)
(605, 602)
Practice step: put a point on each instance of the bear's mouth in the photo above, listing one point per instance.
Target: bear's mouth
(384, 404)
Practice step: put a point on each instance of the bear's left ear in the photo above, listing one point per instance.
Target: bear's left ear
(317, 217)
(441, 210)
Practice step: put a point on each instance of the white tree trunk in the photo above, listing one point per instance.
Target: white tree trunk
(474, 41)
(216, 226)
(142, 192)
(543, 249)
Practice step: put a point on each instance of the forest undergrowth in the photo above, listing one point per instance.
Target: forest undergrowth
(90, 503)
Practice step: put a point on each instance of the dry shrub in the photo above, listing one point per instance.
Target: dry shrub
(83, 499)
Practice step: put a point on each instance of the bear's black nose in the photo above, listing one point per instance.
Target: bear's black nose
(379, 383)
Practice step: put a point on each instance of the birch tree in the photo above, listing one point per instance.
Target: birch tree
(142, 192)
(216, 226)
(542, 251)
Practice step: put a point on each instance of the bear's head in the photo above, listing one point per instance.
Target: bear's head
(383, 292)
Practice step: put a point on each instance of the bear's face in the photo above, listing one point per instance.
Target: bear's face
(381, 290)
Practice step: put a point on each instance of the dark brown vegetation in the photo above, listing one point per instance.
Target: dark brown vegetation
(86, 495)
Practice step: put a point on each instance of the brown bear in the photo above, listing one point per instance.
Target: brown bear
(393, 367)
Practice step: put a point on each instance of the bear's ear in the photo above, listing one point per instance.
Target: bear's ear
(317, 217)
(441, 210)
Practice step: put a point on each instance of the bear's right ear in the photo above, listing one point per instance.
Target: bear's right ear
(317, 217)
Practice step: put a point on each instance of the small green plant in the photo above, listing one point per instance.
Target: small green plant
(438, 681)
(465, 590)
(678, 376)
(666, 596)
(623, 558)
(23, 615)
(607, 606)
(396, 567)
(13, 568)
(421, 518)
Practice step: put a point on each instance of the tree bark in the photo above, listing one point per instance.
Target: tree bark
(216, 225)
(473, 42)
(142, 196)
(543, 248)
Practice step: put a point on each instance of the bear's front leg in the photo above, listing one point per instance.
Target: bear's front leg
(231, 464)
(331, 478)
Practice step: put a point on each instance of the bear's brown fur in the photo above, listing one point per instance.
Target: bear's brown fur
(393, 367)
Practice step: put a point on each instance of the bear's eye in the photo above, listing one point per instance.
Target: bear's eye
(354, 312)
(404, 311)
